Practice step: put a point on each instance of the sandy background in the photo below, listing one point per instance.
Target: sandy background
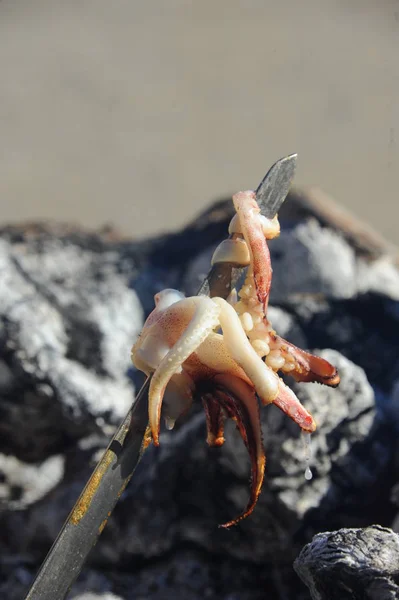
(139, 113)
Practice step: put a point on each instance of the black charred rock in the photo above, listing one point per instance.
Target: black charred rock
(351, 564)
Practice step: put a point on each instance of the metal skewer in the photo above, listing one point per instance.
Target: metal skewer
(95, 504)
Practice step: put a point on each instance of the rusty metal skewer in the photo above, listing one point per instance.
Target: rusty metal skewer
(95, 504)
(93, 507)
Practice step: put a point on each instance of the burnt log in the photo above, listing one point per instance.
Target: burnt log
(351, 564)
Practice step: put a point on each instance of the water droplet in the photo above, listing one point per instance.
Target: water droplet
(169, 423)
(308, 454)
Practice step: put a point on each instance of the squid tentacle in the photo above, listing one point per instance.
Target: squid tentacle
(246, 205)
(214, 421)
(240, 403)
(178, 398)
(204, 320)
(308, 367)
(287, 401)
(263, 378)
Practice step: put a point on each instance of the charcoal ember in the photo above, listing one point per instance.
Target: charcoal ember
(390, 405)
(23, 484)
(351, 564)
(97, 583)
(15, 576)
(190, 574)
(395, 494)
(70, 308)
(395, 500)
(38, 522)
(307, 256)
(67, 316)
(95, 596)
(364, 329)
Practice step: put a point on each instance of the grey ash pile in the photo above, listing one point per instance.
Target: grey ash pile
(71, 305)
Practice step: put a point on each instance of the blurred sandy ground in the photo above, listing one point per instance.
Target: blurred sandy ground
(139, 113)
